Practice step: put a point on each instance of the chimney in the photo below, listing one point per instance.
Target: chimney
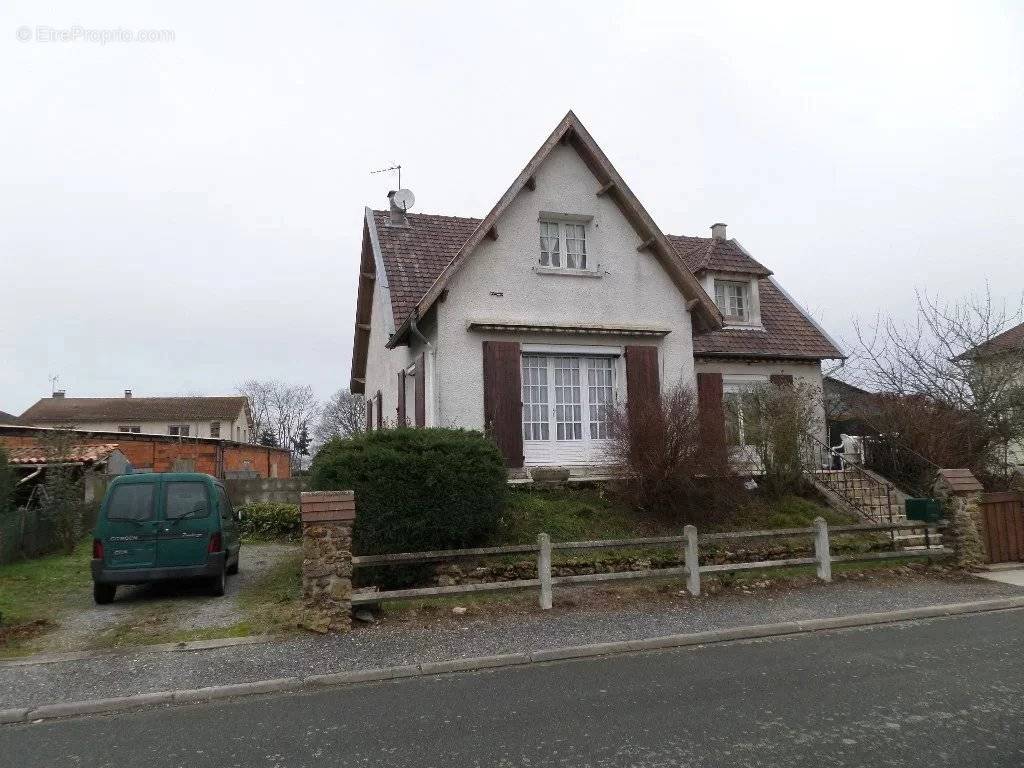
(58, 395)
(127, 394)
(398, 218)
(718, 231)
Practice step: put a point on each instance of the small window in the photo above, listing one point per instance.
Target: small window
(573, 234)
(132, 501)
(214, 429)
(180, 430)
(132, 428)
(186, 500)
(733, 299)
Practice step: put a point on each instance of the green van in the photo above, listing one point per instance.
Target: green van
(158, 526)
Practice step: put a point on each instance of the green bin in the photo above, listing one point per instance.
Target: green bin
(925, 510)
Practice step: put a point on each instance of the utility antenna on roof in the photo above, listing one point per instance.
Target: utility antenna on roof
(54, 378)
(395, 167)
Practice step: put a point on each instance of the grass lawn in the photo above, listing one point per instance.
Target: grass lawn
(33, 592)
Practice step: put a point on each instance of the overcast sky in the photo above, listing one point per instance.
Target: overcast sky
(178, 216)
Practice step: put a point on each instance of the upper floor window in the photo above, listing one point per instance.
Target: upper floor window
(214, 429)
(733, 299)
(563, 244)
(132, 428)
(181, 430)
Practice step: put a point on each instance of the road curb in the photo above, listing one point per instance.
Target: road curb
(426, 669)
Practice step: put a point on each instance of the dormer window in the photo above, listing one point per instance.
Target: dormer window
(563, 244)
(733, 299)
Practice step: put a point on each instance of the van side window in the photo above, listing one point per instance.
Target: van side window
(186, 500)
(225, 505)
(133, 501)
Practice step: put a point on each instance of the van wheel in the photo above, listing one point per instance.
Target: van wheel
(103, 593)
(218, 584)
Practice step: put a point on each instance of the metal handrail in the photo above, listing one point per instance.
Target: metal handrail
(852, 482)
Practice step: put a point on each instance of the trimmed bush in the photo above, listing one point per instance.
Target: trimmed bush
(270, 520)
(416, 489)
(6, 482)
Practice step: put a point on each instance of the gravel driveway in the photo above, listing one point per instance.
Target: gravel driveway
(155, 608)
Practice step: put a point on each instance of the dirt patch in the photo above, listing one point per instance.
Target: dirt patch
(163, 612)
(19, 633)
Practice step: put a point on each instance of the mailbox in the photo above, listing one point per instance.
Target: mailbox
(925, 510)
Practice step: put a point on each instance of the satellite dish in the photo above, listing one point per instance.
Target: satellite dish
(403, 199)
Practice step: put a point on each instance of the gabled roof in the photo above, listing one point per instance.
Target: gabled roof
(73, 410)
(9, 418)
(788, 333)
(571, 131)
(1011, 340)
(703, 254)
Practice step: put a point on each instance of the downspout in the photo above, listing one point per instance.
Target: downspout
(430, 395)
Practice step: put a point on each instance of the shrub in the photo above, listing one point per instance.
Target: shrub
(270, 520)
(666, 468)
(6, 482)
(416, 489)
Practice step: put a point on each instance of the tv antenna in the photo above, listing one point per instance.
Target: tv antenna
(54, 378)
(395, 167)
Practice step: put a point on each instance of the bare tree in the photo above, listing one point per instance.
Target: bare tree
(258, 394)
(283, 409)
(946, 390)
(343, 415)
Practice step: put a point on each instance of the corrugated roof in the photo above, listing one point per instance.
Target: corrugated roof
(85, 454)
(72, 410)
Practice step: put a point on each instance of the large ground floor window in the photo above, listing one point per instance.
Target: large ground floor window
(567, 398)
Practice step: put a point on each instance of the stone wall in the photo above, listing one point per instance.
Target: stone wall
(327, 520)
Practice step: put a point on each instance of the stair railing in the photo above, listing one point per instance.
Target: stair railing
(847, 479)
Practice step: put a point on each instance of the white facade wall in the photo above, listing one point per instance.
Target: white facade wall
(633, 290)
(196, 428)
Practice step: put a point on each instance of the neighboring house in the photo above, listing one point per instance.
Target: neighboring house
(7, 418)
(567, 298)
(999, 364)
(848, 409)
(225, 418)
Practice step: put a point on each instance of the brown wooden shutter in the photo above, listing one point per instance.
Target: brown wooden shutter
(711, 411)
(643, 385)
(781, 379)
(369, 415)
(421, 390)
(503, 406)
(401, 398)
(379, 407)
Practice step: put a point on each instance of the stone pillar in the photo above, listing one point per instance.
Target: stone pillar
(327, 520)
(960, 492)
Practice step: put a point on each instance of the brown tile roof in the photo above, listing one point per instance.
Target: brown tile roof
(706, 253)
(71, 410)
(788, 333)
(414, 256)
(9, 418)
(1007, 341)
(74, 453)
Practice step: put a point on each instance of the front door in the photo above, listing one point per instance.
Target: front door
(185, 525)
(131, 525)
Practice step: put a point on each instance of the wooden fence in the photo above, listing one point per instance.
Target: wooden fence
(689, 543)
(1003, 522)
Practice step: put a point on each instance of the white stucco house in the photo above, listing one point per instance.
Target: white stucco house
(226, 418)
(564, 298)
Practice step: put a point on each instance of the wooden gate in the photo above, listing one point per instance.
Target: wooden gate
(1003, 519)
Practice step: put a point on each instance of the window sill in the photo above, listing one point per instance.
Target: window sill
(734, 326)
(568, 272)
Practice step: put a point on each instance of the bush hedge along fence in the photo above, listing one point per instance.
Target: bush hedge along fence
(416, 488)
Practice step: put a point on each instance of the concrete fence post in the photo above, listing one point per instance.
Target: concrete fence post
(692, 561)
(544, 569)
(327, 520)
(821, 549)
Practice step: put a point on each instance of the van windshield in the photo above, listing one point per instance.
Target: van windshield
(186, 500)
(133, 501)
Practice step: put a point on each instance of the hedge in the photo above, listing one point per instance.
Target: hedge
(270, 520)
(6, 482)
(416, 489)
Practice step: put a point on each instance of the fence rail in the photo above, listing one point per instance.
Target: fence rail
(690, 540)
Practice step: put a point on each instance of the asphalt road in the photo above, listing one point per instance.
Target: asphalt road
(935, 693)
